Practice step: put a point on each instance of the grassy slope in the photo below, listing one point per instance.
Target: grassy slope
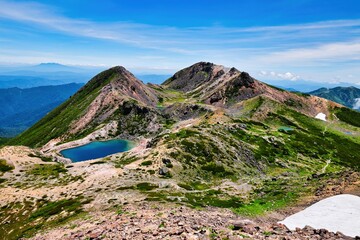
(39, 214)
(281, 170)
(58, 121)
(349, 116)
(300, 154)
(3, 141)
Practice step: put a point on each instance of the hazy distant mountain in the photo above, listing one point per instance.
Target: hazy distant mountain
(54, 67)
(304, 85)
(44, 74)
(47, 68)
(7, 81)
(20, 108)
(347, 96)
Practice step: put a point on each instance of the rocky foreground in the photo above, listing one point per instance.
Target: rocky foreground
(166, 221)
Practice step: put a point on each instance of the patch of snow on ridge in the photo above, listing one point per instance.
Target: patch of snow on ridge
(321, 116)
(357, 103)
(338, 213)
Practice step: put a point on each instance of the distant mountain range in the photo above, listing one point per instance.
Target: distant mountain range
(44, 74)
(304, 85)
(34, 70)
(20, 108)
(347, 96)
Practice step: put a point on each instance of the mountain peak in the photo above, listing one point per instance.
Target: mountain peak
(194, 76)
(118, 68)
(211, 81)
(50, 64)
(52, 67)
(114, 73)
(201, 65)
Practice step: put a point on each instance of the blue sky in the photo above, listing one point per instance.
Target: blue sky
(280, 39)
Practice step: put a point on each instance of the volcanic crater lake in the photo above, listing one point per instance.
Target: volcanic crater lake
(97, 149)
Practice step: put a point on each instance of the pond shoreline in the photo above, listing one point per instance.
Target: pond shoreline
(97, 149)
(55, 151)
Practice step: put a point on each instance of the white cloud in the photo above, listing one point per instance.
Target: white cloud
(289, 76)
(357, 103)
(194, 40)
(284, 76)
(263, 73)
(343, 51)
(336, 79)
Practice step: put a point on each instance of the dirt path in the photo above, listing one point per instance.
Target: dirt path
(327, 164)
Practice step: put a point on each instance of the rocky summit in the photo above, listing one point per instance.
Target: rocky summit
(217, 155)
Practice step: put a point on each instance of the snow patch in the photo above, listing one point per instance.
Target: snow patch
(321, 116)
(338, 213)
(357, 103)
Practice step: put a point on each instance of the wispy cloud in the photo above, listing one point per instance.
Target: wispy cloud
(318, 25)
(307, 44)
(333, 52)
(179, 40)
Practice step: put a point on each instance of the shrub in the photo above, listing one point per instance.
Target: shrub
(4, 167)
(146, 163)
(146, 186)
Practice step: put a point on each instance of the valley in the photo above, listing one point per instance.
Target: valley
(21, 108)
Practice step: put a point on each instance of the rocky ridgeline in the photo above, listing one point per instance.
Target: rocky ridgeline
(154, 221)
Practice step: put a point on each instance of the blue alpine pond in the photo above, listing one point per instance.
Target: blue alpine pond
(97, 149)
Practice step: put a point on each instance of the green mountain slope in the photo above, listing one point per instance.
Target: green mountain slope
(21, 108)
(347, 96)
(213, 122)
(58, 122)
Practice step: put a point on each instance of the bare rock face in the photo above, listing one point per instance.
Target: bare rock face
(134, 120)
(126, 84)
(183, 111)
(190, 78)
(244, 80)
(163, 171)
(224, 87)
(160, 222)
(121, 86)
